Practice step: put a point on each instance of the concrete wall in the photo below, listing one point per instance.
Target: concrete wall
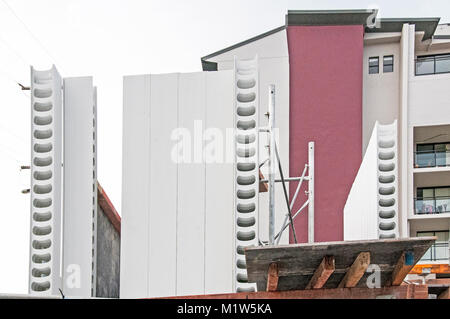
(381, 92)
(108, 258)
(177, 216)
(429, 100)
(326, 107)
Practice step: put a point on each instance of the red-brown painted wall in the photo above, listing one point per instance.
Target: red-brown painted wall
(325, 107)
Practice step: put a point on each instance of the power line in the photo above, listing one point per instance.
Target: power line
(30, 32)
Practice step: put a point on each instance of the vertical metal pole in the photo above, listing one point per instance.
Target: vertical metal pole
(272, 164)
(311, 192)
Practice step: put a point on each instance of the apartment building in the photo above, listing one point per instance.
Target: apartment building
(349, 72)
(370, 93)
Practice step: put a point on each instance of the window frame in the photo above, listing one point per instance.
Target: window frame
(377, 66)
(388, 65)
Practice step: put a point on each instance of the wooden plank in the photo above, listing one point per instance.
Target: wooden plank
(395, 292)
(356, 271)
(445, 294)
(272, 277)
(322, 273)
(402, 268)
(263, 187)
(297, 263)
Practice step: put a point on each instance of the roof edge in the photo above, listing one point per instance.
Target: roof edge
(108, 208)
(242, 43)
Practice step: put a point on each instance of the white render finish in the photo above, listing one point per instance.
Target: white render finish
(361, 207)
(79, 182)
(177, 213)
(371, 210)
(381, 100)
(246, 127)
(46, 156)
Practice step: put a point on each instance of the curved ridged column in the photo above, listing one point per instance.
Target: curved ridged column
(246, 166)
(387, 181)
(45, 224)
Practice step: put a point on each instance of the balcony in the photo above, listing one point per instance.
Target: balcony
(436, 205)
(426, 159)
(436, 64)
(437, 252)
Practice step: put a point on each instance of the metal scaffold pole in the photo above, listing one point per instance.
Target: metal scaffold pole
(272, 165)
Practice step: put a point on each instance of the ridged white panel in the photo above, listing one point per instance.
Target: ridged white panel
(387, 181)
(79, 185)
(46, 150)
(246, 165)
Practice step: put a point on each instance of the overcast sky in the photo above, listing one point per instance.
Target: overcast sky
(108, 39)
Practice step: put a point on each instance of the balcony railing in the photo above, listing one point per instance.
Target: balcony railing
(435, 205)
(433, 64)
(438, 251)
(431, 159)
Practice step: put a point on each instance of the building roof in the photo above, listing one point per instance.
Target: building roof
(336, 17)
(329, 17)
(108, 208)
(427, 25)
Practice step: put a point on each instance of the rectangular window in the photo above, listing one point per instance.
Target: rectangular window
(432, 200)
(374, 65)
(432, 155)
(433, 64)
(388, 63)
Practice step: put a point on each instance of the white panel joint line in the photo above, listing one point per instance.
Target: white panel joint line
(387, 181)
(46, 153)
(246, 165)
(94, 196)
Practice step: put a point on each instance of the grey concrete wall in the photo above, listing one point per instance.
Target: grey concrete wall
(108, 258)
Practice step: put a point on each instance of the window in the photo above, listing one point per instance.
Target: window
(432, 200)
(388, 63)
(439, 250)
(433, 64)
(432, 155)
(374, 65)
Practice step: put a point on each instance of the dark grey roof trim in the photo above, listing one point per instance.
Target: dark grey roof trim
(209, 65)
(442, 37)
(328, 17)
(428, 25)
(237, 45)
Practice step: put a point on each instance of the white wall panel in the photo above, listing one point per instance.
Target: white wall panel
(78, 183)
(163, 187)
(219, 223)
(191, 186)
(134, 271)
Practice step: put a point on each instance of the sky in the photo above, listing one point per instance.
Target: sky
(108, 39)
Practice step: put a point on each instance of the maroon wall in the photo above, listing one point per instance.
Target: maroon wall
(325, 107)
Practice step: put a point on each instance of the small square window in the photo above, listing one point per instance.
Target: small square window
(388, 63)
(374, 65)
